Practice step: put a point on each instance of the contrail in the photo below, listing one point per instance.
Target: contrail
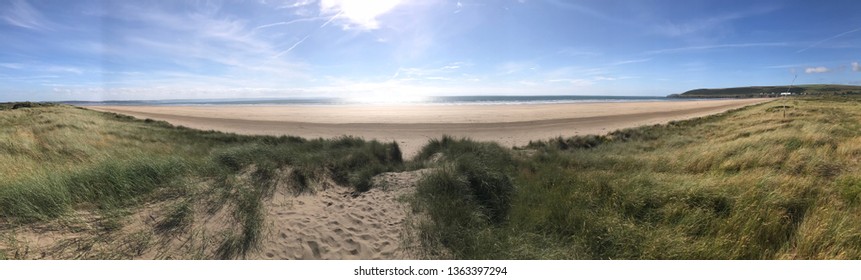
(832, 38)
(294, 46)
(339, 13)
(288, 22)
(306, 36)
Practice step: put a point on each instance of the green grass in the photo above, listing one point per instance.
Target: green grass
(746, 184)
(57, 160)
(771, 91)
(465, 196)
(179, 217)
(106, 185)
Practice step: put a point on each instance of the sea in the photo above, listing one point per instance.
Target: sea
(434, 100)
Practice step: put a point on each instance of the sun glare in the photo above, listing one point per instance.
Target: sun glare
(364, 13)
(385, 99)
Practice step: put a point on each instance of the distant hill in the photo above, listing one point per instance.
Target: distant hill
(768, 91)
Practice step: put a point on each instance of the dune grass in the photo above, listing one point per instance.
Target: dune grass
(746, 184)
(58, 159)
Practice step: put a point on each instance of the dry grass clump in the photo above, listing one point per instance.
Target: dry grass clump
(59, 160)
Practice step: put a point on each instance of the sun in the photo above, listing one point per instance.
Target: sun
(363, 13)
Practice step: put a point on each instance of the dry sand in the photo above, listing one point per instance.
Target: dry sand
(336, 223)
(413, 125)
(332, 223)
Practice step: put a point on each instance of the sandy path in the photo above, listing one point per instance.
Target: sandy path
(412, 126)
(335, 224)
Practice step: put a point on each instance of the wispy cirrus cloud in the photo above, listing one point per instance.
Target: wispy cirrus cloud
(453, 71)
(819, 69)
(578, 52)
(630, 61)
(21, 14)
(718, 46)
(573, 81)
(707, 23)
(289, 22)
(517, 67)
(589, 11)
(26, 69)
(856, 67)
(828, 39)
(290, 4)
(12, 65)
(300, 41)
(174, 43)
(588, 81)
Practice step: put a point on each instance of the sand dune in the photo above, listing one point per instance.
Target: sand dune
(412, 126)
(336, 223)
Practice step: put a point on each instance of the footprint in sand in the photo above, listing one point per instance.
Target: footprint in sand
(335, 225)
(315, 248)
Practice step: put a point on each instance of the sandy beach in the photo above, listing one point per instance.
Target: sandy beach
(413, 125)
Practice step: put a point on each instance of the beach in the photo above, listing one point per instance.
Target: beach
(411, 126)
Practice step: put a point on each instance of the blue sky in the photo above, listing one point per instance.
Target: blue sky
(399, 50)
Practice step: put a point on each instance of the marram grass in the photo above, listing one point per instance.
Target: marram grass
(57, 160)
(745, 184)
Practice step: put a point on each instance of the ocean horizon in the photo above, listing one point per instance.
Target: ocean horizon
(433, 100)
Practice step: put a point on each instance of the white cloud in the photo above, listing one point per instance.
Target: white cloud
(720, 46)
(607, 78)
(302, 8)
(829, 39)
(574, 82)
(281, 23)
(820, 69)
(444, 73)
(516, 67)
(197, 36)
(296, 4)
(856, 67)
(704, 24)
(623, 62)
(582, 9)
(23, 15)
(577, 52)
(65, 69)
(358, 14)
(11, 65)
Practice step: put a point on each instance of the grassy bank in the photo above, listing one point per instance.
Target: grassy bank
(58, 162)
(747, 184)
(771, 91)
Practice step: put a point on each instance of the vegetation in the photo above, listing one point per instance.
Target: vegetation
(58, 161)
(19, 105)
(746, 184)
(770, 91)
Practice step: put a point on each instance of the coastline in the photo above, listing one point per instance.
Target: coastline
(413, 125)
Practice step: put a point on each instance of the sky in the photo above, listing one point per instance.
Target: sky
(401, 49)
